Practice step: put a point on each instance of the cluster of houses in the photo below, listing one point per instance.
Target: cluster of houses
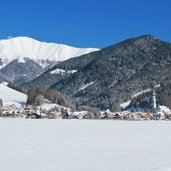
(60, 112)
(33, 112)
(125, 115)
(54, 111)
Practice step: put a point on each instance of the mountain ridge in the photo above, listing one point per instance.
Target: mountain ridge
(18, 47)
(109, 77)
(19, 54)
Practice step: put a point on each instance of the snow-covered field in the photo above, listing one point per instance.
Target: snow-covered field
(84, 145)
(11, 96)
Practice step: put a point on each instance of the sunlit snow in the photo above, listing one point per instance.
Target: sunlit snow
(14, 48)
(11, 96)
(62, 71)
(86, 85)
(84, 145)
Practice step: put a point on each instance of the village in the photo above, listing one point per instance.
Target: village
(60, 112)
(44, 109)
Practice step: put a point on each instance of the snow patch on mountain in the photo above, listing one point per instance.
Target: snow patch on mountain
(21, 60)
(40, 52)
(125, 104)
(141, 92)
(85, 86)
(11, 96)
(62, 71)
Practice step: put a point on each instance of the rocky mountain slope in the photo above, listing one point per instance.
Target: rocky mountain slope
(111, 76)
(18, 53)
(60, 71)
(21, 71)
(4, 78)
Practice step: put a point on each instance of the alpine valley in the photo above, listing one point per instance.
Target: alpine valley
(104, 79)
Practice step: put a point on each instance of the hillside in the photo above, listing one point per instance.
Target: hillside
(50, 77)
(111, 76)
(11, 96)
(4, 78)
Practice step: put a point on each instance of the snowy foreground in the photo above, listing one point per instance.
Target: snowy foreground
(84, 145)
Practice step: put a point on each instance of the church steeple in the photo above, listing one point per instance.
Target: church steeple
(154, 104)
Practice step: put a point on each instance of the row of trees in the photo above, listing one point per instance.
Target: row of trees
(37, 96)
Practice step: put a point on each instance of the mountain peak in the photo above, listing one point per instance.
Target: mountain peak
(24, 58)
(22, 39)
(16, 47)
(147, 37)
(143, 41)
(19, 37)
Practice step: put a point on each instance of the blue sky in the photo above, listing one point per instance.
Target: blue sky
(85, 23)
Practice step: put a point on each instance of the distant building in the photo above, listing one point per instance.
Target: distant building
(154, 104)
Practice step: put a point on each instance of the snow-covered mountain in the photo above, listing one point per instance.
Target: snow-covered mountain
(24, 58)
(40, 52)
(11, 96)
(113, 75)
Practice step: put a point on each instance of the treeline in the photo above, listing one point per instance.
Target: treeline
(17, 88)
(38, 96)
